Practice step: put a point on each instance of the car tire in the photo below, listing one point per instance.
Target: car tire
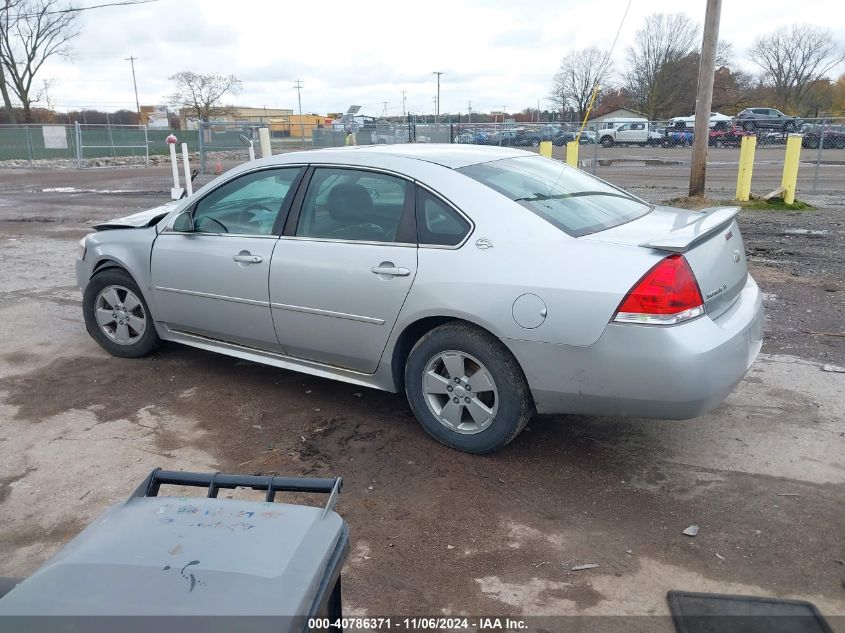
(446, 405)
(606, 141)
(129, 331)
(839, 143)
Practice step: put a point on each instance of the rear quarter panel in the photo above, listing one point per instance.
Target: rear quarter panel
(581, 282)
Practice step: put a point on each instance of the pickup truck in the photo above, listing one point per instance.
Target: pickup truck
(631, 132)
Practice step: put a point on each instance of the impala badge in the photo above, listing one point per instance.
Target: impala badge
(736, 256)
(483, 243)
(717, 291)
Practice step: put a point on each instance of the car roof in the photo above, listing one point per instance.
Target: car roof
(447, 155)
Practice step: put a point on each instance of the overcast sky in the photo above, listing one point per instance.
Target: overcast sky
(494, 53)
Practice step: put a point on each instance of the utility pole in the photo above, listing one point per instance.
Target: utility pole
(404, 115)
(469, 112)
(704, 99)
(131, 59)
(437, 111)
(298, 86)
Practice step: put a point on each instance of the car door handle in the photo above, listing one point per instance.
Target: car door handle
(246, 258)
(393, 271)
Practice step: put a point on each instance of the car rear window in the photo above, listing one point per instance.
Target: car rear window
(568, 198)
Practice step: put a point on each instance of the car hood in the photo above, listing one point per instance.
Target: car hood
(140, 220)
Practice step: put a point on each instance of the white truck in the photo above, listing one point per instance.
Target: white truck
(627, 131)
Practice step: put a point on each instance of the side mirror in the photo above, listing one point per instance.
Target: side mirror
(184, 222)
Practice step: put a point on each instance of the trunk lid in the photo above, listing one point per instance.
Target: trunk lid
(709, 240)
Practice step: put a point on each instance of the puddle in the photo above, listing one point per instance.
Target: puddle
(633, 162)
(814, 232)
(98, 191)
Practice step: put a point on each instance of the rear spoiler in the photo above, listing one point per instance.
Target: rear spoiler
(682, 239)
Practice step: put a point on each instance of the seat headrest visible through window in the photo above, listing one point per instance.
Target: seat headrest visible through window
(349, 202)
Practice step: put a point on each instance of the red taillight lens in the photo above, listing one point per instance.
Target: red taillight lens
(666, 295)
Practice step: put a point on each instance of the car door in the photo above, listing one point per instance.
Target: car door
(623, 133)
(210, 278)
(344, 266)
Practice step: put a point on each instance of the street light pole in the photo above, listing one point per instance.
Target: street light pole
(131, 59)
(704, 99)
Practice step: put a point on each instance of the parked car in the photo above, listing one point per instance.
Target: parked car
(717, 120)
(627, 132)
(506, 138)
(834, 138)
(730, 137)
(487, 283)
(470, 137)
(563, 138)
(678, 136)
(767, 119)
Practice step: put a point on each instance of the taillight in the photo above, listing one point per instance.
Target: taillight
(667, 294)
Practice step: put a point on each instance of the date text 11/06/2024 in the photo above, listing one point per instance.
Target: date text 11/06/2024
(418, 623)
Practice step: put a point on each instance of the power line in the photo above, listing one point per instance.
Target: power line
(124, 3)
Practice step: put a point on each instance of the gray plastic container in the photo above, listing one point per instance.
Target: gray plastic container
(159, 556)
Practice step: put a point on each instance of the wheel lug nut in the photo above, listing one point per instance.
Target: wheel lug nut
(466, 400)
(457, 400)
(449, 388)
(468, 388)
(457, 380)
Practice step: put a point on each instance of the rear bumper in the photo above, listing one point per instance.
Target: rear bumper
(674, 372)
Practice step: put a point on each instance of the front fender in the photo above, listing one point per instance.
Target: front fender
(129, 249)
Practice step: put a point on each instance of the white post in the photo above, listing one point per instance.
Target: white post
(264, 137)
(176, 191)
(188, 185)
(251, 151)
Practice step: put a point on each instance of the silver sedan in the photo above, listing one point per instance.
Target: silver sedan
(487, 283)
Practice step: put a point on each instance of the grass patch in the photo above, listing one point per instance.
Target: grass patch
(696, 203)
(774, 204)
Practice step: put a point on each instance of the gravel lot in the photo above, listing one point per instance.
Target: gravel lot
(435, 531)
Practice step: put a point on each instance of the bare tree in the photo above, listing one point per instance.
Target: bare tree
(580, 72)
(663, 41)
(202, 94)
(793, 59)
(31, 32)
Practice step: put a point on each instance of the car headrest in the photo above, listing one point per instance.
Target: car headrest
(349, 202)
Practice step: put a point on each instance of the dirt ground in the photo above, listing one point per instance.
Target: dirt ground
(435, 531)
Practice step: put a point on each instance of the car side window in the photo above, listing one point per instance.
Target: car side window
(351, 204)
(438, 224)
(248, 205)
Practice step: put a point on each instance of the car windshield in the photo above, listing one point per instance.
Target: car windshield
(568, 198)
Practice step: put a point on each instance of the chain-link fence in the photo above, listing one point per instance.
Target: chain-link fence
(638, 153)
(85, 145)
(631, 152)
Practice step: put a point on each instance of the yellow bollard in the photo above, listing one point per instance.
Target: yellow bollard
(747, 147)
(572, 153)
(790, 167)
(546, 149)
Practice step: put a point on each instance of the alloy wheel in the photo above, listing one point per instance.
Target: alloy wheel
(460, 392)
(120, 314)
